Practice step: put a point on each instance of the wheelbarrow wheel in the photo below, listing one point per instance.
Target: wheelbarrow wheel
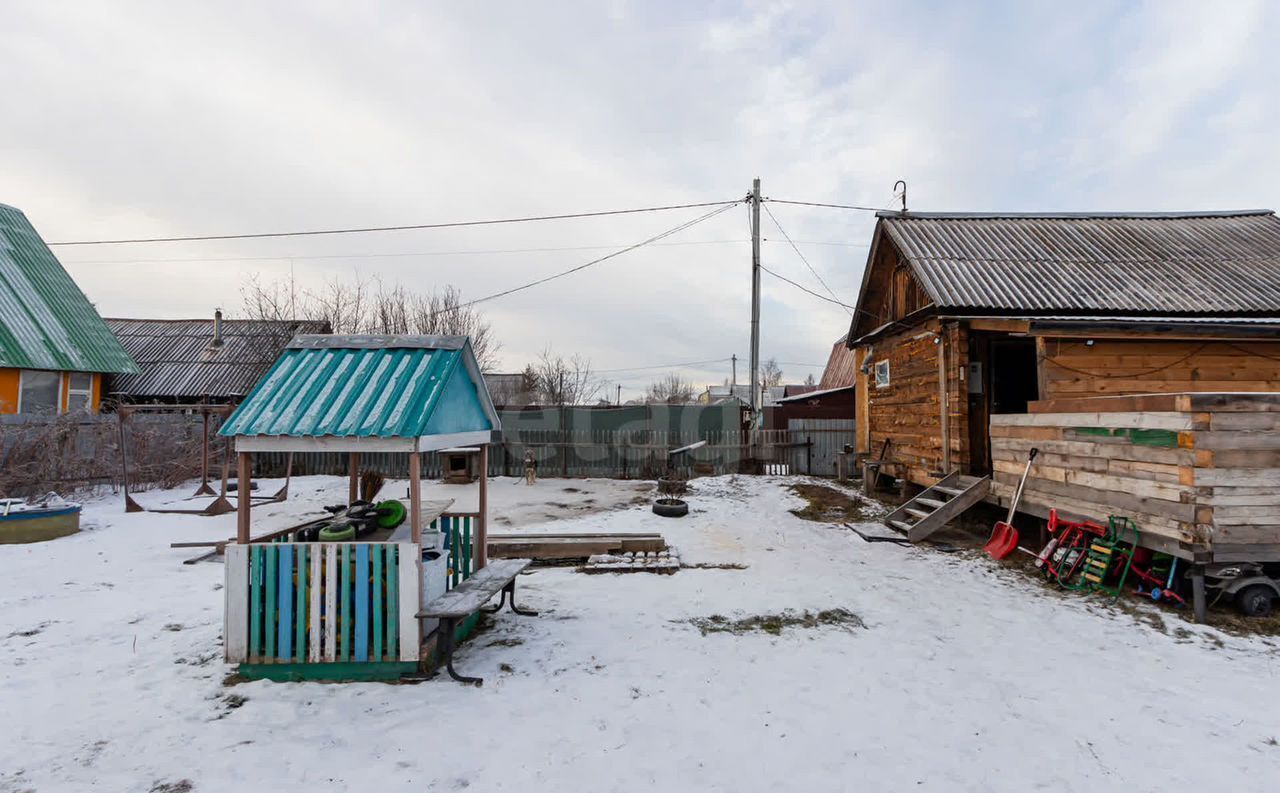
(1255, 600)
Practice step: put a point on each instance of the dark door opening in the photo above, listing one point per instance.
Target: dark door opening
(1002, 378)
(1014, 380)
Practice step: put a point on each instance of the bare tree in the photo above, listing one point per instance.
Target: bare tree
(358, 305)
(672, 389)
(564, 381)
(770, 373)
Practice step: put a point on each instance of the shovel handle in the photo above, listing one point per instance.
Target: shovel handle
(1017, 494)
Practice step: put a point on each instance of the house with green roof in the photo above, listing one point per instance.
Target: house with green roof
(54, 348)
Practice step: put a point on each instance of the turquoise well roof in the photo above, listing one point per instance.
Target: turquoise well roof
(367, 387)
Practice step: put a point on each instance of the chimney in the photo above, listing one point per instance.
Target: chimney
(217, 327)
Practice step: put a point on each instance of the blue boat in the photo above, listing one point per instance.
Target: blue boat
(46, 519)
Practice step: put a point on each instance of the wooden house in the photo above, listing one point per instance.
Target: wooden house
(54, 348)
(977, 336)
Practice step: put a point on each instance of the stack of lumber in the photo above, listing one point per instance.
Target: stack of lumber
(1199, 473)
(570, 546)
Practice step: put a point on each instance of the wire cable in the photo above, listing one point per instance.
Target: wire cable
(819, 204)
(619, 252)
(473, 252)
(805, 288)
(787, 237)
(661, 366)
(371, 229)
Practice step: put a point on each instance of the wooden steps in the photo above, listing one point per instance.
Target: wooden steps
(937, 505)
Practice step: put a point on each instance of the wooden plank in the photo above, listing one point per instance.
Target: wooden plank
(410, 597)
(345, 602)
(315, 647)
(376, 618)
(1237, 477)
(1169, 514)
(300, 606)
(1152, 420)
(1245, 421)
(330, 628)
(390, 615)
(467, 598)
(1129, 403)
(244, 475)
(284, 590)
(1243, 439)
(271, 575)
(362, 588)
(255, 601)
(235, 626)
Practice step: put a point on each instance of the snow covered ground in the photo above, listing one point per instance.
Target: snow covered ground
(965, 677)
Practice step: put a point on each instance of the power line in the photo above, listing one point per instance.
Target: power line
(584, 266)
(831, 206)
(787, 237)
(456, 224)
(472, 252)
(661, 366)
(804, 288)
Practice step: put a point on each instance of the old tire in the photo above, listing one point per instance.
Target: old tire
(337, 534)
(1255, 600)
(670, 508)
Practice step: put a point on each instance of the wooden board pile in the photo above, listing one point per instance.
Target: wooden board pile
(1198, 473)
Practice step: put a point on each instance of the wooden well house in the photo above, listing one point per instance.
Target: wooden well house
(979, 336)
(347, 610)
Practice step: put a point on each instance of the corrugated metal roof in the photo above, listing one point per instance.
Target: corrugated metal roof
(840, 371)
(1167, 263)
(46, 322)
(366, 387)
(178, 359)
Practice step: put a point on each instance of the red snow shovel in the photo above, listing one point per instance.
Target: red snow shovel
(1004, 537)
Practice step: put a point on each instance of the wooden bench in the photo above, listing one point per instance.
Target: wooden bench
(469, 597)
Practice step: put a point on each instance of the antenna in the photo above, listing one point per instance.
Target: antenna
(902, 182)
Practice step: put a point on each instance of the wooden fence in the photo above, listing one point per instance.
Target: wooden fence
(322, 603)
(334, 610)
(807, 449)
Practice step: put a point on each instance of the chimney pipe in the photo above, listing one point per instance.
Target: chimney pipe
(217, 327)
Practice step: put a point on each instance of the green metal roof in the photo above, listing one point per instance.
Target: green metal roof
(46, 322)
(326, 386)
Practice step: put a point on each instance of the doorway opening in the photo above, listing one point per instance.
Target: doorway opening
(1003, 377)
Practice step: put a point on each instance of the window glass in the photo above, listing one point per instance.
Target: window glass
(79, 390)
(40, 391)
(882, 374)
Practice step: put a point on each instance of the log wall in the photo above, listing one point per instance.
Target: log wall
(1199, 473)
(1072, 368)
(908, 412)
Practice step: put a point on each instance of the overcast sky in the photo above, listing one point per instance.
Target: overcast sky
(157, 119)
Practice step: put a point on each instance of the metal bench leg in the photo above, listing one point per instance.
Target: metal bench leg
(501, 603)
(512, 589)
(446, 649)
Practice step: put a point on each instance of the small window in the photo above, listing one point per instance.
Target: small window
(882, 374)
(40, 392)
(79, 391)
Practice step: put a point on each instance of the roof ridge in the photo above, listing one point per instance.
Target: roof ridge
(1215, 213)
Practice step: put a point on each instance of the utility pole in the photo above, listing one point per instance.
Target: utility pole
(619, 400)
(733, 384)
(755, 296)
